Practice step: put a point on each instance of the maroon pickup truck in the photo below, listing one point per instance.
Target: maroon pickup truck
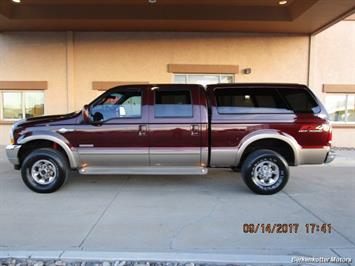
(178, 129)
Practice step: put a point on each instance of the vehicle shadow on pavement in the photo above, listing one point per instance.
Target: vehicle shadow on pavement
(215, 181)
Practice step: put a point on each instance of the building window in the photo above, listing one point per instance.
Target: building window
(203, 79)
(21, 104)
(341, 107)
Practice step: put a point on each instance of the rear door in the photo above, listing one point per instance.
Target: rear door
(175, 129)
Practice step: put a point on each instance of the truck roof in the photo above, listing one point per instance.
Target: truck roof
(246, 85)
(255, 84)
(220, 85)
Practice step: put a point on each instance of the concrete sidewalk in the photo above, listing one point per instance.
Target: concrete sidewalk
(181, 214)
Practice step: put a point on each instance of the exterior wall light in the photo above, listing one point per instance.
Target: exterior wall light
(16, 1)
(152, 1)
(283, 2)
(247, 71)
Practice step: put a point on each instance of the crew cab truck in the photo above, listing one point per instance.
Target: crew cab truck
(178, 129)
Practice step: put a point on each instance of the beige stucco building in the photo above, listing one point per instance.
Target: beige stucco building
(70, 68)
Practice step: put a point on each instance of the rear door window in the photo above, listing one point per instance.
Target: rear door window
(173, 103)
(300, 100)
(249, 100)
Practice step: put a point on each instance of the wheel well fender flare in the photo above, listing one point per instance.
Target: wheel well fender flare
(268, 134)
(56, 138)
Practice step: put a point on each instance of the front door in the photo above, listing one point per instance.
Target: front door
(175, 126)
(120, 138)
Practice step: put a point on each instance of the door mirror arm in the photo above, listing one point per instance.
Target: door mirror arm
(97, 119)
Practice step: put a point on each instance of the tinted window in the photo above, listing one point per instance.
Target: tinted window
(173, 104)
(249, 100)
(118, 105)
(300, 100)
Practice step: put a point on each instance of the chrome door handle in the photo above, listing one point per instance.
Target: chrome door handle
(65, 130)
(142, 130)
(195, 130)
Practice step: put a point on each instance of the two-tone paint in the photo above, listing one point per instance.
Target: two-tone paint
(153, 145)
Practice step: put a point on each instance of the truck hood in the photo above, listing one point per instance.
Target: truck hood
(47, 119)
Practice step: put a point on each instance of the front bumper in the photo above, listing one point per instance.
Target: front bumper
(330, 156)
(12, 153)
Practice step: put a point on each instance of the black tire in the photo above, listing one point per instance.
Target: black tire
(58, 167)
(271, 160)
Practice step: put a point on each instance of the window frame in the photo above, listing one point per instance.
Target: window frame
(345, 108)
(187, 75)
(169, 117)
(23, 104)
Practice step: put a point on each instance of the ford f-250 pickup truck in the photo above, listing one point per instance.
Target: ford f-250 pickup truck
(178, 129)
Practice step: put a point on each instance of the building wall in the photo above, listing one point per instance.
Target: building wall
(333, 62)
(32, 57)
(144, 57)
(70, 62)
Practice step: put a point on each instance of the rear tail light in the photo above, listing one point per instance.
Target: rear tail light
(330, 135)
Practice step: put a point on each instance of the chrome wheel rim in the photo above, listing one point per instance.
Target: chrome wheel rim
(266, 173)
(43, 172)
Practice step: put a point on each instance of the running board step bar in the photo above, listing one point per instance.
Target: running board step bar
(143, 170)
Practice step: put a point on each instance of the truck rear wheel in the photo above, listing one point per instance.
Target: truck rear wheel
(44, 170)
(265, 172)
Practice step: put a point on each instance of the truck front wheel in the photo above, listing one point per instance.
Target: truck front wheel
(44, 170)
(265, 172)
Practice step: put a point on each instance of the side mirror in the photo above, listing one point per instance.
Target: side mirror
(98, 118)
(86, 114)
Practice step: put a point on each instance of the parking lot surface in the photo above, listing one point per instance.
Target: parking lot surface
(182, 214)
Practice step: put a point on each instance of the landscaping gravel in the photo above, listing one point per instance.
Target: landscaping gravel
(32, 262)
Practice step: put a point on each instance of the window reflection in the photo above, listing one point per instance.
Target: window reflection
(34, 104)
(180, 79)
(12, 105)
(203, 79)
(18, 105)
(351, 108)
(336, 107)
(226, 79)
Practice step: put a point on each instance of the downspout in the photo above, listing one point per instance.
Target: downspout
(309, 60)
(70, 70)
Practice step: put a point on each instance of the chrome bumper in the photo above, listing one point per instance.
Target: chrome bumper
(330, 156)
(12, 153)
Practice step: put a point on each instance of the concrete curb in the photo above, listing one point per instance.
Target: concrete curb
(73, 255)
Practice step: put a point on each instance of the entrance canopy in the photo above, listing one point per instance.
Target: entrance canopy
(258, 16)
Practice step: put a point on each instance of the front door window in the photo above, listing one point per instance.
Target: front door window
(118, 105)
